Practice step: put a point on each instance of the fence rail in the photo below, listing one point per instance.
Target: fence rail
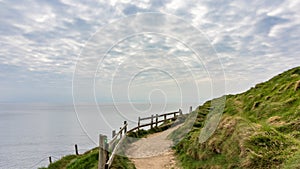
(106, 158)
(155, 120)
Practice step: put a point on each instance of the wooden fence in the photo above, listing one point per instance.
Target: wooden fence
(106, 158)
(76, 152)
(156, 119)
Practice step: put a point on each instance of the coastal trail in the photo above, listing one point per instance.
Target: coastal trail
(154, 151)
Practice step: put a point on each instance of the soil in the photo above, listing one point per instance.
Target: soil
(153, 151)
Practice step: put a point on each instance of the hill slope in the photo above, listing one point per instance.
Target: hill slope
(260, 128)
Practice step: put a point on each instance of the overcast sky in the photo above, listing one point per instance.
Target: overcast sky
(42, 40)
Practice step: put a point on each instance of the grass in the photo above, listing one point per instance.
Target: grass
(62, 163)
(89, 160)
(260, 128)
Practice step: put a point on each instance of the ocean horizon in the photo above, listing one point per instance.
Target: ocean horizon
(30, 133)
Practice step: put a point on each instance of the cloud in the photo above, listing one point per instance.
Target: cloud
(40, 40)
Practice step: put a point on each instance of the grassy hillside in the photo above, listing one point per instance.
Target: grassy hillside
(260, 128)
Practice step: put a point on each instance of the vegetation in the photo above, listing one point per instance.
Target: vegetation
(89, 160)
(260, 128)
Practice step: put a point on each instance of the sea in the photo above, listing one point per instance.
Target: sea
(30, 133)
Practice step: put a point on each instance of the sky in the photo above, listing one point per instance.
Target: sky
(155, 51)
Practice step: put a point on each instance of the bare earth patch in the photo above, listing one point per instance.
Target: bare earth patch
(165, 160)
(153, 152)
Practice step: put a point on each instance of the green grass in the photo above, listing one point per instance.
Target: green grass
(260, 128)
(89, 160)
(62, 163)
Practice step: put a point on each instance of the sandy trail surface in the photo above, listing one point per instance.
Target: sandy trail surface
(153, 151)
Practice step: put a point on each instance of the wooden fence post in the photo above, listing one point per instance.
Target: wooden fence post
(125, 127)
(113, 134)
(151, 121)
(106, 150)
(121, 132)
(180, 112)
(165, 117)
(76, 150)
(156, 119)
(139, 123)
(50, 160)
(191, 109)
(102, 152)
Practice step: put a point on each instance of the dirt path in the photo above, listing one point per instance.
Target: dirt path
(153, 152)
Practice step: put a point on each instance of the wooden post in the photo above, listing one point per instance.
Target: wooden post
(50, 160)
(139, 123)
(191, 109)
(76, 150)
(120, 132)
(125, 127)
(102, 152)
(165, 118)
(106, 150)
(151, 121)
(156, 119)
(180, 112)
(113, 134)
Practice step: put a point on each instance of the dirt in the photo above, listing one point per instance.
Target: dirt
(153, 152)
